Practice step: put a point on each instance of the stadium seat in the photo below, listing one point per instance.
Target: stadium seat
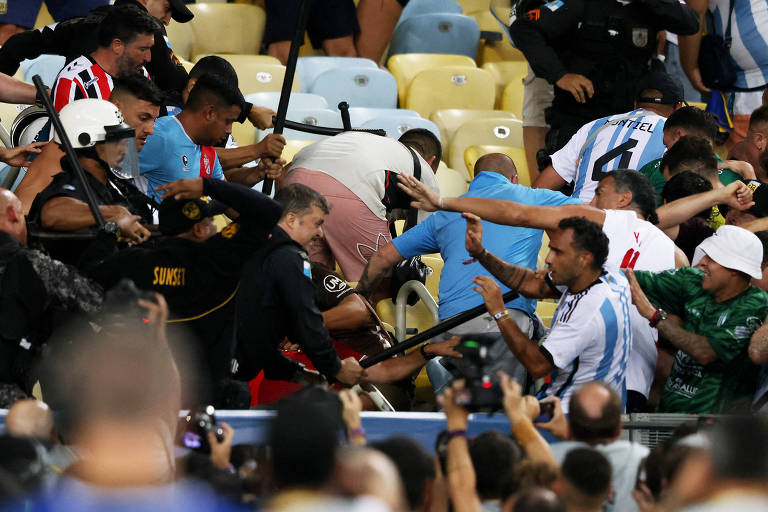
(699, 104)
(417, 316)
(494, 51)
(433, 280)
(452, 183)
(473, 153)
(543, 251)
(395, 127)
(546, 310)
(47, 66)
(509, 84)
(417, 7)
(294, 146)
(226, 28)
(489, 131)
(436, 33)
(358, 86)
(187, 65)
(359, 115)
(316, 117)
(469, 6)
(449, 120)
(238, 59)
(297, 101)
(450, 87)
(181, 37)
(406, 66)
(9, 112)
(264, 78)
(44, 17)
(309, 68)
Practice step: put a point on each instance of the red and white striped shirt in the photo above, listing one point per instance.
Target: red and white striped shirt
(82, 78)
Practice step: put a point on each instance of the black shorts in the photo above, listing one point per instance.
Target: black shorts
(328, 19)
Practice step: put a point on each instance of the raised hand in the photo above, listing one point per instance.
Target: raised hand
(473, 239)
(189, 188)
(424, 197)
(19, 156)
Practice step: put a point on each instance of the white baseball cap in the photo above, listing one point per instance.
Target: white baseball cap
(734, 248)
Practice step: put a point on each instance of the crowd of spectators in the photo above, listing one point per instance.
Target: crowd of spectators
(143, 273)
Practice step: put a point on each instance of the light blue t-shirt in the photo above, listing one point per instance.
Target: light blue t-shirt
(170, 154)
(444, 232)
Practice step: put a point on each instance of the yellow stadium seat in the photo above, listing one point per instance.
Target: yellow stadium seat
(187, 65)
(449, 120)
(472, 6)
(433, 280)
(452, 183)
(543, 251)
(473, 153)
(416, 317)
(257, 73)
(43, 17)
(238, 59)
(546, 310)
(509, 84)
(292, 147)
(181, 36)
(450, 87)
(406, 66)
(227, 28)
(494, 51)
(699, 104)
(494, 131)
(9, 112)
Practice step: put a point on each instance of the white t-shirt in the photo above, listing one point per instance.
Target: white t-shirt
(636, 243)
(622, 141)
(358, 161)
(590, 338)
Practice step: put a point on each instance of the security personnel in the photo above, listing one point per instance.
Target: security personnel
(276, 299)
(594, 52)
(196, 268)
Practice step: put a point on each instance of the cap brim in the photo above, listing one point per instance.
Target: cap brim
(723, 258)
(180, 12)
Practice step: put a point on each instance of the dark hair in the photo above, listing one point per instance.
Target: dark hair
(590, 429)
(299, 199)
(213, 90)
(691, 153)
(643, 193)
(588, 471)
(763, 236)
(304, 438)
(739, 448)
(424, 142)
(588, 236)
(126, 23)
(694, 121)
(759, 115)
(685, 184)
(495, 458)
(538, 499)
(214, 65)
(140, 87)
(414, 464)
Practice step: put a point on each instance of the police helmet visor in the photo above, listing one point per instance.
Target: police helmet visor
(121, 156)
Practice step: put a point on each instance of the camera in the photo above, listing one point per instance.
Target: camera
(121, 305)
(482, 390)
(194, 427)
(546, 411)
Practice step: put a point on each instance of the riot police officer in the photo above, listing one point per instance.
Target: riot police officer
(594, 52)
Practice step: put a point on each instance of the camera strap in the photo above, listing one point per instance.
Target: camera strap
(413, 213)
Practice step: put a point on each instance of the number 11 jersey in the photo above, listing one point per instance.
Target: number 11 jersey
(622, 141)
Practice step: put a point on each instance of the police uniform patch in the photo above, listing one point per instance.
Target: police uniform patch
(230, 230)
(191, 210)
(555, 5)
(307, 269)
(640, 37)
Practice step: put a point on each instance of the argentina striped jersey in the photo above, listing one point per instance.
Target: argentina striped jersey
(591, 338)
(622, 141)
(749, 38)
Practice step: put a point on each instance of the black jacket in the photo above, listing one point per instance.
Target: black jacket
(604, 40)
(277, 300)
(77, 36)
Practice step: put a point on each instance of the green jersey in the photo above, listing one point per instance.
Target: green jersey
(694, 388)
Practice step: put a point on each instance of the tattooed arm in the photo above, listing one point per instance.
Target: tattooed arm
(378, 267)
(692, 344)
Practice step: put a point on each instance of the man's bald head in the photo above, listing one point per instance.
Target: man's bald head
(12, 219)
(595, 413)
(363, 471)
(30, 418)
(499, 163)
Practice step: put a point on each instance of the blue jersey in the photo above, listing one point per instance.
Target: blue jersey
(749, 38)
(622, 141)
(444, 232)
(170, 154)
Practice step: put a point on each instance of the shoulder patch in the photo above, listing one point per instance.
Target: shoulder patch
(230, 230)
(307, 269)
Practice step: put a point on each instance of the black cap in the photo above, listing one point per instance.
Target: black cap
(670, 88)
(180, 12)
(179, 215)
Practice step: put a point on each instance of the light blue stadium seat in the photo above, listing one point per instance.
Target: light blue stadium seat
(299, 100)
(309, 68)
(437, 33)
(359, 115)
(416, 7)
(395, 127)
(317, 116)
(360, 87)
(47, 66)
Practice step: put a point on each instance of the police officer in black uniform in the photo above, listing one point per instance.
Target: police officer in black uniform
(276, 299)
(196, 268)
(594, 52)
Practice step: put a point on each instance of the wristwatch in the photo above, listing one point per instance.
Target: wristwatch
(111, 228)
(657, 317)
